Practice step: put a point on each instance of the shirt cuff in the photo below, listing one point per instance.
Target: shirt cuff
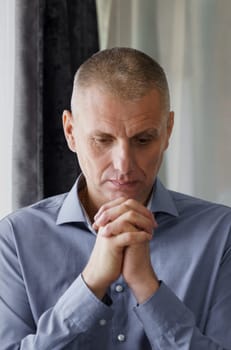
(81, 308)
(163, 315)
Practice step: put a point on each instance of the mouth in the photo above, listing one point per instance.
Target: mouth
(124, 185)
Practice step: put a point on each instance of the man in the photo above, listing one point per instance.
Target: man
(119, 262)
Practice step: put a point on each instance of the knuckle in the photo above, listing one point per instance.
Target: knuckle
(104, 207)
(130, 215)
(129, 202)
(105, 230)
(104, 216)
(128, 237)
(108, 229)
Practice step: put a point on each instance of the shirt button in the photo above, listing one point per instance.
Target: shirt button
(119, 288)
(121, 337)
(102, 322)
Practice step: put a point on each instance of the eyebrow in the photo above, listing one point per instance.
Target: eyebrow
(150, 131)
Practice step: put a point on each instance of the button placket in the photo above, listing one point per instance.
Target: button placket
(119, 321)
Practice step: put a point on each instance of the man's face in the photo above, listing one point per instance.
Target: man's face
(119, 143)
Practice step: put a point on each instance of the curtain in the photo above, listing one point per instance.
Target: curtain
(6, 101)
(190, 38)
(53, 37)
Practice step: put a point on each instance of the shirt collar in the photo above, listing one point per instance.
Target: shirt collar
(71, 210)
(161, 200)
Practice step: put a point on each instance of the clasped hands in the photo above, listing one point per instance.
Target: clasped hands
(124, 228)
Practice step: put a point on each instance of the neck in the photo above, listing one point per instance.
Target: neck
(86, 203)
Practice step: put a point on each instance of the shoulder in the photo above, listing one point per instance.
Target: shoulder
(203, 221)
(185, 199)
(205, 210)
(39, 214)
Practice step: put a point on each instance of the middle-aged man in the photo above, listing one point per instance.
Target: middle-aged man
(119, 262)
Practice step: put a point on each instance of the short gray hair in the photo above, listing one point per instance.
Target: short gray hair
(125, 72)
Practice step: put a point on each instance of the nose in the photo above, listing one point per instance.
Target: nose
(123, 158)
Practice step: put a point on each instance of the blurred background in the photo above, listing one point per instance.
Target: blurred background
(42, 43)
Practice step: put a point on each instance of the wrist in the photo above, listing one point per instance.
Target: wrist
(143, 289)
(98, 288)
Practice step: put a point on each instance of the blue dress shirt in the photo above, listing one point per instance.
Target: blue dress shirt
(45, 304)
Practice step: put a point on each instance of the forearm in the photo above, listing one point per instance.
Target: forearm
(77, 312)
(169, 324)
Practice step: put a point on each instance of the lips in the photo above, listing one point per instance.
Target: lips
(124, 184)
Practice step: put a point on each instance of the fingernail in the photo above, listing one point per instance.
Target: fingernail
(95, 226)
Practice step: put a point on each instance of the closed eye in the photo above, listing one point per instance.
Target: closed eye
(145, 139)
(103, 139)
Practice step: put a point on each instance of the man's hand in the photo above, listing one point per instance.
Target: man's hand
(138, 271)
(117, 227)
(127, 227)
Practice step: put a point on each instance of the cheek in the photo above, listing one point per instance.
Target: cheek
(92, 161)
(151, 160)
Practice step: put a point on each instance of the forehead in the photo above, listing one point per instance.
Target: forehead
(97, 108)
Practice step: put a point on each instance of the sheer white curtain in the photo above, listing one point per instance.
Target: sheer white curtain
(190, 38)
(6, 102)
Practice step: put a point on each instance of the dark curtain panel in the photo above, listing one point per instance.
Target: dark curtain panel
(27, 138)
(53, 37)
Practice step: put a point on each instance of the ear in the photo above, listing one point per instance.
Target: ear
(68, 128)
(170, 124)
